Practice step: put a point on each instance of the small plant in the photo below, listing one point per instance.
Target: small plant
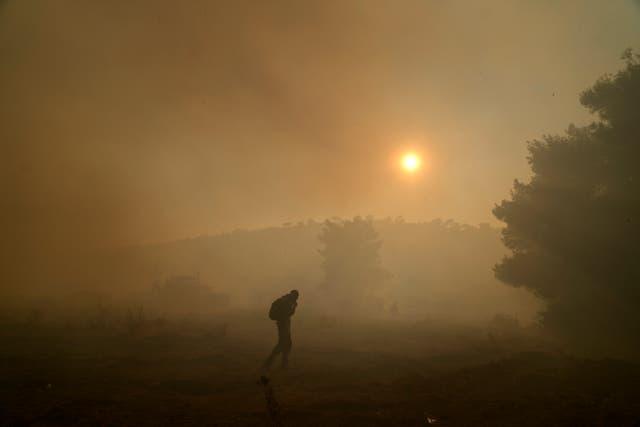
(99, 321)
(135, 319)
(274, 410)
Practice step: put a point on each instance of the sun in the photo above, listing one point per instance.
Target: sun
(411, 162)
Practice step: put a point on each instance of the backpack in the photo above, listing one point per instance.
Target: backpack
(277, 310)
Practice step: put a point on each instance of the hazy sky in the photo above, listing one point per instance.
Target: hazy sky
(131, 121)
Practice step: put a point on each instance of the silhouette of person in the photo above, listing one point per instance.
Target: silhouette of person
(281, 311)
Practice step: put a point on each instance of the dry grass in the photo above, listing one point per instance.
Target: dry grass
(188, 374)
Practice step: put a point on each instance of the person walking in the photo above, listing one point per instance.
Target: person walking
(281, 311)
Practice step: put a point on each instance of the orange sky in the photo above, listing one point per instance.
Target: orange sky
(131, 121)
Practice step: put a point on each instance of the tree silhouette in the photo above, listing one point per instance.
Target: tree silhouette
(352, 268)
(574, 229)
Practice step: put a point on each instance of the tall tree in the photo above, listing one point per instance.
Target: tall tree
(574, 229)
(352, 268)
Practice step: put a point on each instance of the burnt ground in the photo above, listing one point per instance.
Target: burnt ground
(188, 374)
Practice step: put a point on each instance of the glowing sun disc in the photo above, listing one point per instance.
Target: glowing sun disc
(411, 162)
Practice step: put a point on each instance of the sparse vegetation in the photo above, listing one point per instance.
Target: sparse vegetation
(363, 374)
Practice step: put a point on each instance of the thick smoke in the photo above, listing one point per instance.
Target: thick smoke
(147, 121)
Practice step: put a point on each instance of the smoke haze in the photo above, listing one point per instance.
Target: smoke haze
(362, 212)
(130, 122)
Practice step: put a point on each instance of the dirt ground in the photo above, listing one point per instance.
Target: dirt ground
(169, 373)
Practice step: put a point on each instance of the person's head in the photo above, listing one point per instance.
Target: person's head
(294, 294)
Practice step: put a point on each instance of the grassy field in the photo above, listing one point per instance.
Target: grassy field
(187, 373)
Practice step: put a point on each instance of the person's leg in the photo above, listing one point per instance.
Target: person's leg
(285, 346)
(277, 349)
(274, 353)
(285, 355)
